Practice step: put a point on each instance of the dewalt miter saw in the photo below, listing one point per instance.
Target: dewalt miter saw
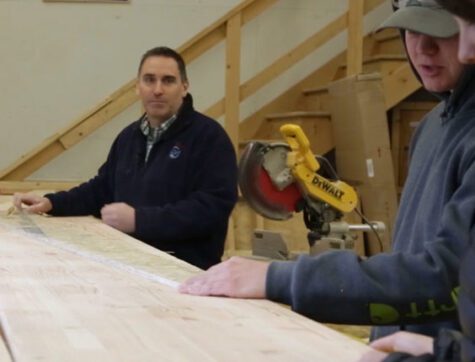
(278, 179)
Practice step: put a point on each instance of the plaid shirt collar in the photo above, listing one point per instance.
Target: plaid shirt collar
(153, 134)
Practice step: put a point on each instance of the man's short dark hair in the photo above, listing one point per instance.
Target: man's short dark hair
(167, 53)
(462, 8)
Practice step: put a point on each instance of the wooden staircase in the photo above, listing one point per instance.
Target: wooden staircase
(312, 104)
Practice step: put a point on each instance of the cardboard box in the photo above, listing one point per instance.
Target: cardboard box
(378, 204)
(360, 130)
(363, 151)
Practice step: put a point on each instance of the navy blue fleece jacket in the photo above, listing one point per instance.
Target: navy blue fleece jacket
(182, 196)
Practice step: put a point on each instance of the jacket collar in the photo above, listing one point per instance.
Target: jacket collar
(182, 120)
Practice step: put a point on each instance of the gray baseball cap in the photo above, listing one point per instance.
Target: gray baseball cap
(422, 16)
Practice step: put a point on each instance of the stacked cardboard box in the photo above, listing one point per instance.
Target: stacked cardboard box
(363, 152)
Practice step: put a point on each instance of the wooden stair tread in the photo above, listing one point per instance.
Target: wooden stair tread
(316, 90)
(382, 57)
(387, 37)
(301, 114)
(386, 34)
(10, 187)
(379, 57)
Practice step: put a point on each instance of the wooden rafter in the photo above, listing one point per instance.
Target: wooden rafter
(10, 187)
(399, 85)
(72, 134)
(354, 56)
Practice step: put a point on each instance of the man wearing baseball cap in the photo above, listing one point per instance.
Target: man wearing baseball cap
(421, 16)
(450, 345)
(414, 287)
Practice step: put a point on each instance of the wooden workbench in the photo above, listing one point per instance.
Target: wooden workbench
(74, 289)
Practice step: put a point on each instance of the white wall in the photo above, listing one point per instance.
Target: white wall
(58, 60)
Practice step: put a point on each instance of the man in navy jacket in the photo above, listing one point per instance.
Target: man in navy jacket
(170, 178)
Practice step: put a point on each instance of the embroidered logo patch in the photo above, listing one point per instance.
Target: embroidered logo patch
(175, 152)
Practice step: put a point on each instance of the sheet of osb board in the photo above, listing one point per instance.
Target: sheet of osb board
(89, 237)
(65, 300)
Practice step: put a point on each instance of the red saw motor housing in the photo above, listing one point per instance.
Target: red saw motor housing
(257, 187)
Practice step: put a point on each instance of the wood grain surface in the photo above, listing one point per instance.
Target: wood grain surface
(73, 289)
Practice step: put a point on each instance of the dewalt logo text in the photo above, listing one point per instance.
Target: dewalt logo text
(327, 187)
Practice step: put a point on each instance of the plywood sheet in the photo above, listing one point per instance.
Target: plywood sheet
(73, 289)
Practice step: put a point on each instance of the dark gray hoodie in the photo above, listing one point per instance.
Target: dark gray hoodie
(415, 287)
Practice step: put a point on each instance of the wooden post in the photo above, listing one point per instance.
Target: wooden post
(233, 78)
(354, 53)
(231, 237)
(259, 222)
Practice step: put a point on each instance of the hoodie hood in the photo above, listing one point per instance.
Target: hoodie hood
(442, 24)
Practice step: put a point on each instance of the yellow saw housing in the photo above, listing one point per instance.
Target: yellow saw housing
(304, 167)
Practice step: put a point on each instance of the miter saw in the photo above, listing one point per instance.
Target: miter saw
(281, 178)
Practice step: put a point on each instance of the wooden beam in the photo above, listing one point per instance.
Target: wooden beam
(33, 160)
(71, 135)
(194, 50)
(88, 125)
(10, 187)
(233, 78)
(291, 58)
(418, 106)
(354, 58)
(255, 9)
(216, 32)
(216, 110)
(370, 5)
(231, 235)
(399, 84)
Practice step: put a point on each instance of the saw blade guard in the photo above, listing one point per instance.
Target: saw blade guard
(277, 199)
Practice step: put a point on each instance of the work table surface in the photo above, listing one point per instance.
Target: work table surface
(74, 289)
